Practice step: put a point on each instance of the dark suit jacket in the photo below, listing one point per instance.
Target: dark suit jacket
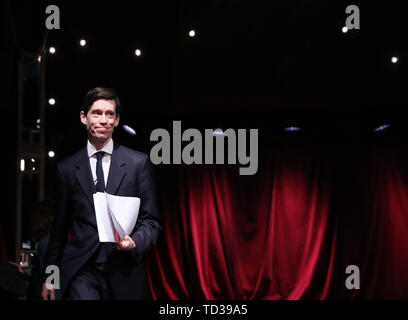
(130, 174)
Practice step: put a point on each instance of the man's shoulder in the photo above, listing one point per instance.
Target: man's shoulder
(73, 159)
(131, 153)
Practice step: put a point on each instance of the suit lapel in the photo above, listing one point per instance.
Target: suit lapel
(116, 170)
(116, 173)
(84, 175)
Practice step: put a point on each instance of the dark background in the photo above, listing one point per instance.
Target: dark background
(263, 64)
(266, 65)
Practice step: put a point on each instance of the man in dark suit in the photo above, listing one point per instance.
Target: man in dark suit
(90, 269)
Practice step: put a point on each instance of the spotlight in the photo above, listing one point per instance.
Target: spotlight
(22, 165)
(382, 127)
(344, 29)
(51, 101)
(138, 52)
(82, 43)
(51, 154)
(293, 129)
(39, 58)
(129, 130)
(52, 50)
(192, 33)
(218, 132)
(394, 59)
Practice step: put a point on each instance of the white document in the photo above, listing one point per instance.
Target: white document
(115, 213)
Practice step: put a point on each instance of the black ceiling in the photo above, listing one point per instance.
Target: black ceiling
(250, 61)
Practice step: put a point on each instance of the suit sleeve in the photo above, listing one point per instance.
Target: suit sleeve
(60, 227)
(148, 224)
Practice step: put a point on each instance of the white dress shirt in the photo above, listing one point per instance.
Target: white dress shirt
(106, 159)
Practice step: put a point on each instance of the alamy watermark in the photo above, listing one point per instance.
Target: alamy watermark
(53, 280)
(353, 280)
(53, 20)
(168, 149)
(353, 20)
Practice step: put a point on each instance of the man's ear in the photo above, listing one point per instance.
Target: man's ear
(82, 115)
(117, 120)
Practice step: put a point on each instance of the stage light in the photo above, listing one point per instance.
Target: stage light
(293, 129)
(52, 50)
(138, 52)
(82, 43)
(129, 130)
(218, 132)
(39, 58)
(22, 165)
(51, 101)
(382, 127)
(51, 154)
(394, 59)
(192, 33)
(32, 160)
(344, 29)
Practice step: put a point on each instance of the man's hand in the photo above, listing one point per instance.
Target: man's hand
(48, 291)
(19, 268)
(125, 244)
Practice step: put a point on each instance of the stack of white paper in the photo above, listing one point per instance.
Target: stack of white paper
(115, 213)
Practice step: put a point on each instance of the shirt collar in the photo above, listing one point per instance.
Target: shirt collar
(108, 148)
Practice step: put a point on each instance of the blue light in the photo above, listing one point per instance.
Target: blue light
(382, 127)
(293, 129)
(129, 130)
(218, 132)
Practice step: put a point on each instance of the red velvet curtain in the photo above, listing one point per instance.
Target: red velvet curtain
(288, 232)
(384, 245)
(244, 237)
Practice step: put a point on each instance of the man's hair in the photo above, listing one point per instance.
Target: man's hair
(101, 93)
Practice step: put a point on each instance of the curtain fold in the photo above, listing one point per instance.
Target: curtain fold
(243, 237)
(288, 232)
(384, 273)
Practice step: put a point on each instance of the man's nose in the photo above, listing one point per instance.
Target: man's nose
(103, 119)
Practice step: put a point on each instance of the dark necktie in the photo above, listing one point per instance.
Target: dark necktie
(100, 254)
(100, 184)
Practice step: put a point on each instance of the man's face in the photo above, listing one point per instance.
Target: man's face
(101, 119)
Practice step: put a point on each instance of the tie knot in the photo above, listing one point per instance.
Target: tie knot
(100, 155)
